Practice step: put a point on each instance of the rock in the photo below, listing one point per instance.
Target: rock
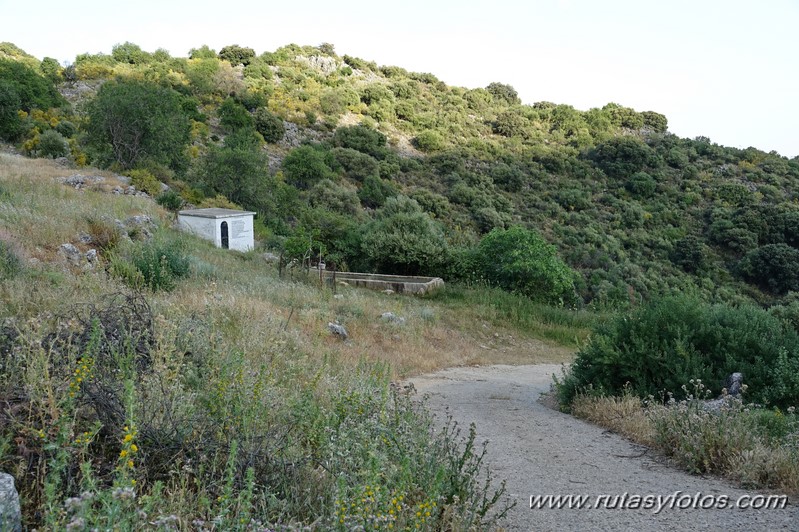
(91, 256)
(10, 514)
(85, 238)
(270, 257)
(164, 187)
(338, 330)
(78, 181)
(734, 383)
(392, 318)
(70, 252)
(388, 291)
(338, 296)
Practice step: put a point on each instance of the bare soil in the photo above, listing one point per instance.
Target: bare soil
(541, 451)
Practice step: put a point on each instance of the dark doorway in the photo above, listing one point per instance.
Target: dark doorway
(225, 239)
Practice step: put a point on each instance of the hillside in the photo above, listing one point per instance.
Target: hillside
(318, 143)
(148, 377)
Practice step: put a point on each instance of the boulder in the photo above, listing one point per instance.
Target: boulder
(392, 318)
(338, 330)
(10, 514)
(71, 253)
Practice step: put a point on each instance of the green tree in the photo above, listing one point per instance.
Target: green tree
(504, 93)
(52, 145)
(269, 125)
(237, 55)
(238, 173)
(233, 116)
(305, 166)
(773, 267)
(404, 240)
(203, 52)
(130, 53)
(51, 69)
(131, 121)
(361, 138)
(519, 260)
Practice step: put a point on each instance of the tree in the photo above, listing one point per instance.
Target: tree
(233, 116)
(236, 55)
(655, 121)
(773, 267)
(51, 69)
(519, 260)
(203, 52)
(269, 125)
(305, 166)
(32, 89)
(404, 240)
(238, 173)
(361, 138)
(503, 92)
(131, 121)
(129, 53)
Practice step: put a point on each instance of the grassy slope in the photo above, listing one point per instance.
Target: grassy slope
(243, 375)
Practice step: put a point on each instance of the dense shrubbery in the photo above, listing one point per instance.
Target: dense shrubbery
(521, 261)
(665, 344)
(610, 188)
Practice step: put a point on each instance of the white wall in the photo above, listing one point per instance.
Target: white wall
(240, 231)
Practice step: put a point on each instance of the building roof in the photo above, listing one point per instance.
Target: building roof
(215, 213)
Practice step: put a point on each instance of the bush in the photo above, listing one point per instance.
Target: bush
(305, 166)
(361, 138)
(670, 341)
(404, 240)
(52, 145)
(156, 265)
(269, 125)
(519, 260)
(429, 141)
(145, 181)
(773, 267)
(10, 265)
(170, 200)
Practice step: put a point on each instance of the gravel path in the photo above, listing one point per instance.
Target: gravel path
(540, 451)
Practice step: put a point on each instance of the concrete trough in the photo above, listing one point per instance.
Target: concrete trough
(400, 284)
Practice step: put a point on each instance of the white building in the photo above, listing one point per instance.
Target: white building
(226, 228)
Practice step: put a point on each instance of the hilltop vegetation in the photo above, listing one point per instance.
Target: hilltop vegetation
(318, 144)
(543, 219)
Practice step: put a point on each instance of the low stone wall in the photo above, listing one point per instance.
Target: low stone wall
(397, 283)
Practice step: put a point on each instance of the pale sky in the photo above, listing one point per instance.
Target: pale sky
(722, 69)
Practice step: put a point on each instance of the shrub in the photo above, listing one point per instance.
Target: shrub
(670, 341)
(519, 260)
(641, 185)
(170, 200)
(156, 265)
(357, 165)
(233, 116)
(504, 93)
(52, 145)
(10, 264)
(403, 239)
(269, 125)
(429, 141)
(145, 181)
(773, 267)
(305, 166)
(361, 138)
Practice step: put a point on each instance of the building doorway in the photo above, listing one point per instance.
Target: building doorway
(225, 237)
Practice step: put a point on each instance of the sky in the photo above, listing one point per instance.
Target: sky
(726, 70)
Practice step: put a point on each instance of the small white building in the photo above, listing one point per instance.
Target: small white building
(226, 228)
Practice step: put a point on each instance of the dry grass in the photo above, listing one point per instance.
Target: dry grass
(42, 213)
(243, 293)
(623, 415)
(738, 442)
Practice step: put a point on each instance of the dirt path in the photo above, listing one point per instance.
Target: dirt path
(540, 451)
